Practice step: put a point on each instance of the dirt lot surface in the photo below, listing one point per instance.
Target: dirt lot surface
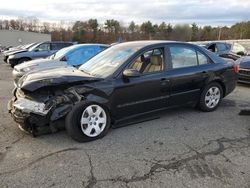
(184, 148)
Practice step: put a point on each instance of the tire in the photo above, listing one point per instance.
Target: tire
(82, 126)
(211, 97)
(23, 60)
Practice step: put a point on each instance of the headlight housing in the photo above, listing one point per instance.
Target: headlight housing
(27, 69)
(28, 106)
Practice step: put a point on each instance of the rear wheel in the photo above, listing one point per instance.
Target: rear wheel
(87, 122)
(211, 97)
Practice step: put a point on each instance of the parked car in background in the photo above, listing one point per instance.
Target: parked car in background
(17, 49)
(40, 50)
(74, 55)
(120, 85)
(244, 69)
(225, 49)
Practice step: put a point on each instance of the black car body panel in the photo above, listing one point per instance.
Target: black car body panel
(57, 91)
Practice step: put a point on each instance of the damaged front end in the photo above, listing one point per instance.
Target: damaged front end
(43, 98)
(40, 112)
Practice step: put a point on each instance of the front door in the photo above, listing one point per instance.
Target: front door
(42, 51)
(146, 93)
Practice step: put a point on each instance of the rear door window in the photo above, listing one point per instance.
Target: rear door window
(183, 57)
(55, 46)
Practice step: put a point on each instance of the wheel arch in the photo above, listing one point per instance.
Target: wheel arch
(25, 57)
(221, 84)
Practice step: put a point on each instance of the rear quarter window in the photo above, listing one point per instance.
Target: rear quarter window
(202, 59)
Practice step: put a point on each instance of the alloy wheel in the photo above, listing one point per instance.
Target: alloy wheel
(212, 97)
(93, 120)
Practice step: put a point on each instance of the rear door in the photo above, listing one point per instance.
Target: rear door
(188, 74)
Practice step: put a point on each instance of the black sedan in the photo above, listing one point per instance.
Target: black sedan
(244, 69)
(120, 85)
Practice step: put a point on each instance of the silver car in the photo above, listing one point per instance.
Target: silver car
(40, 50)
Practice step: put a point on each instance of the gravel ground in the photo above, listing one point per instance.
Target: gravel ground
(183, 148)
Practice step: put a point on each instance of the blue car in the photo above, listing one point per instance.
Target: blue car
(74, 55)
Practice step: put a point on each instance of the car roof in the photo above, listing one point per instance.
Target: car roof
(144, 43)
(82, 45)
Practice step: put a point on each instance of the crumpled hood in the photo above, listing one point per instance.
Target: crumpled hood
(54, 77)
(40, 64)
(244, 62)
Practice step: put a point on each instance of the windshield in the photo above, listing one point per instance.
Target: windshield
(108, 61)
(29, 45)
(60, 53)
(34, 46)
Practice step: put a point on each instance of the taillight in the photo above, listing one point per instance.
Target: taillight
(236, 68)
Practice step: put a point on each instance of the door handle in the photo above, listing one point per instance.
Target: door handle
(164, 81)
(204, 74)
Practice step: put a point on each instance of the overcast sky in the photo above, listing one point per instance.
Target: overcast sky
(202, 12)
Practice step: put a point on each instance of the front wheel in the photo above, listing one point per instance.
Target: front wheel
(211, 97)
(87, 122)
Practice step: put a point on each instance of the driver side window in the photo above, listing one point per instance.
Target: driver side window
(149, 62)
(43, 47)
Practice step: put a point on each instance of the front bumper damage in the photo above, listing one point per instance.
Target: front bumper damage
(42, 117)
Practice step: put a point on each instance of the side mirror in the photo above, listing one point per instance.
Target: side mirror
(36, 50)
(131, 73)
